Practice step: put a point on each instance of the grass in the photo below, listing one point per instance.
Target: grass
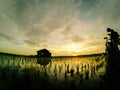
(18, 73)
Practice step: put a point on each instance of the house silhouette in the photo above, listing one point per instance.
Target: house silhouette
(43, 53)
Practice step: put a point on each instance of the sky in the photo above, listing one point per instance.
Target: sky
(64, 27)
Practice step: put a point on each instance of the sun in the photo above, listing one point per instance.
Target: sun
(72, 47)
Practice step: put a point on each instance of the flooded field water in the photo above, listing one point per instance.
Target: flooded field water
(48, 72)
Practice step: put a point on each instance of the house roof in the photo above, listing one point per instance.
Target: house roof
(42, 50)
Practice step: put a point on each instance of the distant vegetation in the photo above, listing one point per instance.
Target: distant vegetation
(86, 55)
(10, 54)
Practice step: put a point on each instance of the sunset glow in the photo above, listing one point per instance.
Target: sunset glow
(64, 27)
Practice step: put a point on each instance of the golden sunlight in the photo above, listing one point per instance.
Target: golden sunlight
(72, 47)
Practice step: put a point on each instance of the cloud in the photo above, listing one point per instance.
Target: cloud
(86, 5)
(76, 38)
(91, 10)
(5, 37)
(42, 23)
(88, 9)
(109, 9)
(58, 14)
(36, 19)
(69, 34)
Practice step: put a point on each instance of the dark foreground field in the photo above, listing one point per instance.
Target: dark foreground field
(37, 82)
(25, 74)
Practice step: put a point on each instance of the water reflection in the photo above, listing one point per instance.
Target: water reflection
(43, 61)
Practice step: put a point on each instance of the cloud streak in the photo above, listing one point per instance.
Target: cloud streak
(42, 23)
